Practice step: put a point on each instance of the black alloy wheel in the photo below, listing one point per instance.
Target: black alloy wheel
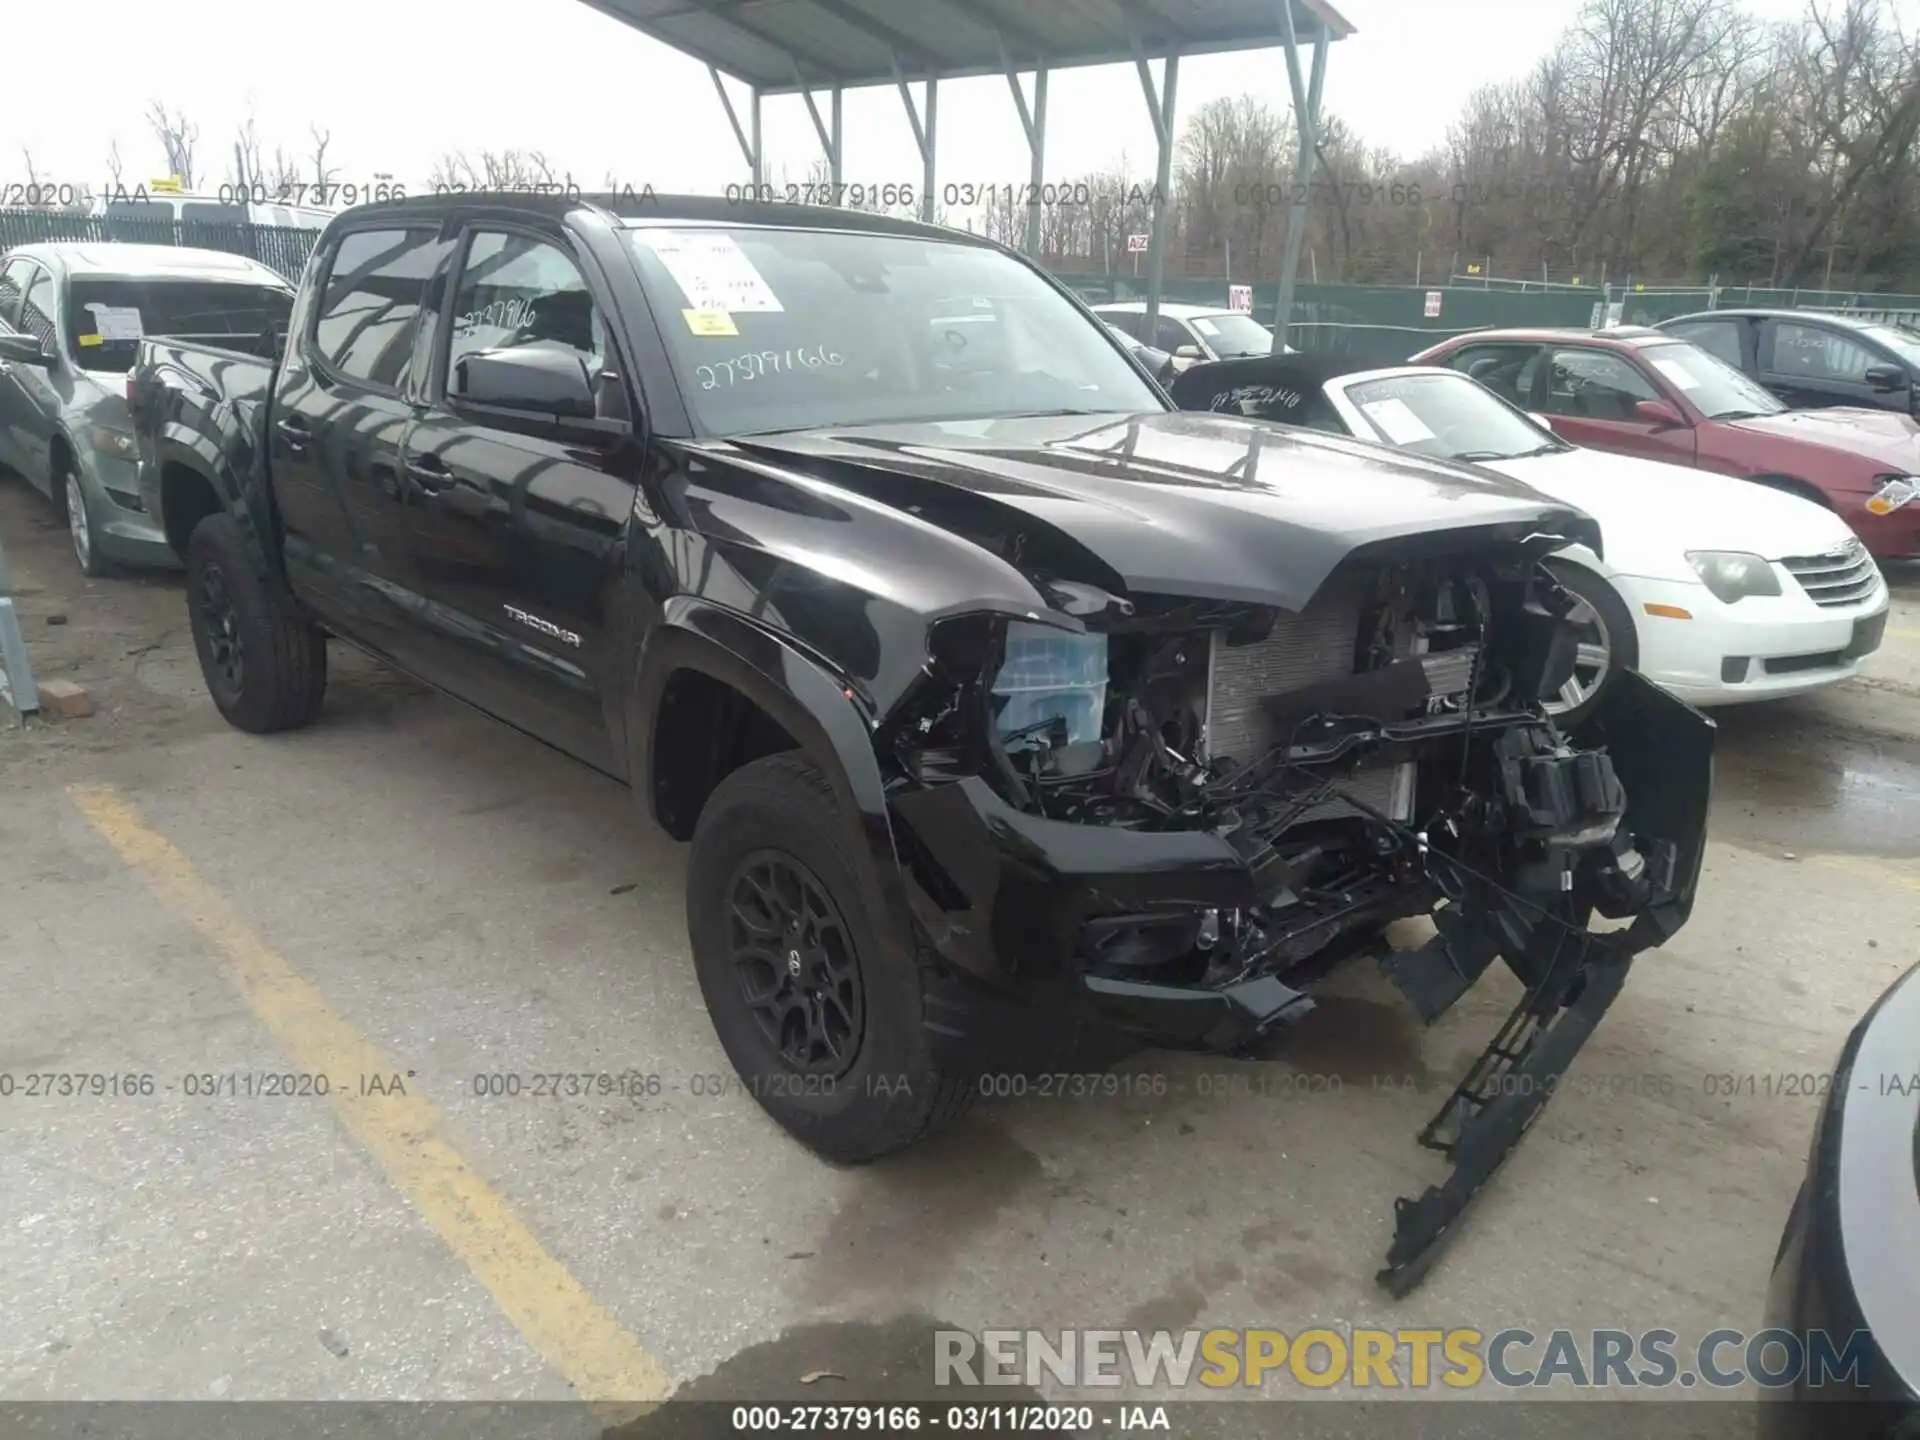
(222, 628)
(794, 960)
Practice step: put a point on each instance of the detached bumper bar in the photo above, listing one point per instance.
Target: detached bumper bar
(1662, 752)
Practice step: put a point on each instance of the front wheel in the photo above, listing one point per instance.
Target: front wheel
(71, 500)
(824, 1030)
(264, 661)
(1608, 642)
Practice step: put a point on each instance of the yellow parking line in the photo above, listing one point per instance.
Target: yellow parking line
(534, 1290)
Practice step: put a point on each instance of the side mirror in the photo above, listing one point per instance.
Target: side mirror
(1885, 378)
(1189, 352)
(535, 380)
(24, 350)
(1658, 413)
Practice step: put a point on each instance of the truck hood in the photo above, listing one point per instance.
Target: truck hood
(1884, 436)
(1201, 505)
(1652, 513)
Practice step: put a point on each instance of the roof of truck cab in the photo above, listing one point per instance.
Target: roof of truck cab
(123, 260)
(647, 208)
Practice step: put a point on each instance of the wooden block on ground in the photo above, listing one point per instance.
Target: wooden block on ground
(65, 699)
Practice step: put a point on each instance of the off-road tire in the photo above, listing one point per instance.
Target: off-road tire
(283, 654)
(894, 1093)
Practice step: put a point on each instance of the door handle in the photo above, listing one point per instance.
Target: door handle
(297, 436)
(429, 475)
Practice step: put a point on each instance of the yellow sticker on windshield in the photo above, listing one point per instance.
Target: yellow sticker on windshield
(710, 322)
(91, 340)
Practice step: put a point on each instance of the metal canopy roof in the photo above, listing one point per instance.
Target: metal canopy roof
(782, 46)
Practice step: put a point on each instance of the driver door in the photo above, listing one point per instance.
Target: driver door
(1590, 395)
(517, 536)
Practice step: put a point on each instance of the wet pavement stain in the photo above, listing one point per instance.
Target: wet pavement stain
(1788, 780)
(1183, 1301)
(881, 1239)
(1359, 1040)
(860, 1362)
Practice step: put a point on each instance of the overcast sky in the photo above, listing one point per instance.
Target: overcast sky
(398, 82)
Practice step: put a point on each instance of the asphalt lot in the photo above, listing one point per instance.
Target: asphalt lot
(409, 890)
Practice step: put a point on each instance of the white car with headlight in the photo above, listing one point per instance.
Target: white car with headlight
(1718, 590)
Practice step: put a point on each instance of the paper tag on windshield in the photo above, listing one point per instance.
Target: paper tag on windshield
(711, 271)
(1677, 373)
(710, 322)
(116, 322)
(1401, 425)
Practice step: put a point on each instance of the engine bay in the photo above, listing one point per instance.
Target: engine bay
(1365, 758)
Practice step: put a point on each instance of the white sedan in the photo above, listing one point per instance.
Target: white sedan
(1719, 590)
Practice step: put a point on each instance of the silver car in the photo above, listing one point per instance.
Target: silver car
(71, 318)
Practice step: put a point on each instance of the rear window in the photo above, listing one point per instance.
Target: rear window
(372, 302)
(107, 317)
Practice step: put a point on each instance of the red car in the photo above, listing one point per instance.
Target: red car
(1644, 392)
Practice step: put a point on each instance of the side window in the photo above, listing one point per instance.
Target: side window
(371, 304)
(1811, 352)
(1595, 385)
(1507, 370)
(36, 318)
(1170, 335)
(517, 291)
(13, 285)
(1719, 338)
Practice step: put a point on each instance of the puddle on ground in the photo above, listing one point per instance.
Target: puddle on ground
(1786, 780)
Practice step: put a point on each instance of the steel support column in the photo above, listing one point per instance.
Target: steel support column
(829, 139)
(923, 132)
(1306, 121)
(839, 152)
(1034, 122)
(1160, 107)
(749, 147)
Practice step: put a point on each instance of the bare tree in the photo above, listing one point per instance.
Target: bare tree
(496, 170)
(322, 172)
(177, 136)
(116, 167)
(248, 175)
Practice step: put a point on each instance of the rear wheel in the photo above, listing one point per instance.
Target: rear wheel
(825, 1031)
(264, 661)
(1608, 642)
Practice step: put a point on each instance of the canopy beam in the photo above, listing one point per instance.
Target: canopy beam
(1306, 121)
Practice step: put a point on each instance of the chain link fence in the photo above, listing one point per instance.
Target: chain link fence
(283, 250)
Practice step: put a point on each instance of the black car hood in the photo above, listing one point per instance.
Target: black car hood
(1208, 506)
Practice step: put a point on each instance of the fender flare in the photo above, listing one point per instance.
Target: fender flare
(809, 701)
(177, 444)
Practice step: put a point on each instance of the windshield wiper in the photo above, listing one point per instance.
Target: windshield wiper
(1471, 457)
(1742, 414)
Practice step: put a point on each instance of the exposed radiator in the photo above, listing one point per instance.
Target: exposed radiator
(1317, 644)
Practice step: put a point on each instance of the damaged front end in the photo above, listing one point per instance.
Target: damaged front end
(1174, 818)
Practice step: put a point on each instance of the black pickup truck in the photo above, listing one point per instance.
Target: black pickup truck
(1012, 714)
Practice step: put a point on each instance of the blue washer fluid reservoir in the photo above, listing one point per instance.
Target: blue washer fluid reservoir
(1049, 673)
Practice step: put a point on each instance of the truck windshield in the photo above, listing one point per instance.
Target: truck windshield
(775, 329)
(107, 317)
